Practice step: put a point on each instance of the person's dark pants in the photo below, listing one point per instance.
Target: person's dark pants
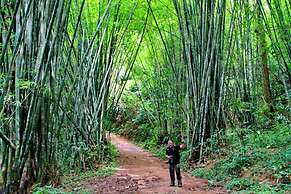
(172, 169)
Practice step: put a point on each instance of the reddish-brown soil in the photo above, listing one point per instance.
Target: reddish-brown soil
(141, 172)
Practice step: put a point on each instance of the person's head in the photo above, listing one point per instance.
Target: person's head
(170, 143)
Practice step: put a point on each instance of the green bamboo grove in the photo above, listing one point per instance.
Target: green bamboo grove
(228, 64)
(56, 72)
(202, 66)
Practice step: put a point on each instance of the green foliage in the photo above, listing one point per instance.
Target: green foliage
(246, 185)
(75, 181)
(143, 132)
(203, 173)
(142, 117)
(277, 137)
(156, 150)
(239, 184)
(2, 81)
(213, 145)
(184, 159)
(90, 156)
(101, 172)
(111, 154)
(74, 178)
(25, 84)
(260, 153)
(47, 190)
(234, 164)
(160, 152)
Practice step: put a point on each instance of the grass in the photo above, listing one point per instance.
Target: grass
(48, 189)
(74, 181)
(260, 163)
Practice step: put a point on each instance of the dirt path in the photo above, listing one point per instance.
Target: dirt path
(140, 172)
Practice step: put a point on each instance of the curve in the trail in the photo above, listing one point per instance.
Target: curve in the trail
(141, 172)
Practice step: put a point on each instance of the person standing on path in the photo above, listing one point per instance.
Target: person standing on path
(173, 155)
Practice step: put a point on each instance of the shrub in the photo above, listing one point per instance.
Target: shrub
(203, 173)
(239, 184)
(37, 189)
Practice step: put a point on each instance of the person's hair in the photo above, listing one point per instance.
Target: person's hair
(167, 139)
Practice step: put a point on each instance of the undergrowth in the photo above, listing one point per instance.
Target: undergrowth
(253, 159)
(73, 180)
(260, 163)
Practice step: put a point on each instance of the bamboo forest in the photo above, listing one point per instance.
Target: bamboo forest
(122, 96)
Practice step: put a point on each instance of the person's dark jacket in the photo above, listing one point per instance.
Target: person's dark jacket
(175, 153)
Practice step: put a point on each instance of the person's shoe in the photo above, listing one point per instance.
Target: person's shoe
(179, 184)
(172, 184)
